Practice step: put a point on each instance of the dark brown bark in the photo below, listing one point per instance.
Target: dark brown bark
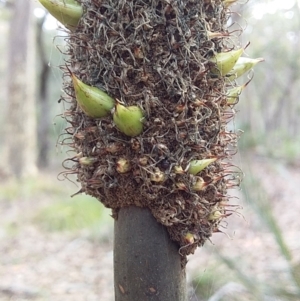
(147, 264)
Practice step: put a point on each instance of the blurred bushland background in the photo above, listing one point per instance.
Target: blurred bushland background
(57, 247)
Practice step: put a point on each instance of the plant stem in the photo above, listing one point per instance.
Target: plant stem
(147, 264)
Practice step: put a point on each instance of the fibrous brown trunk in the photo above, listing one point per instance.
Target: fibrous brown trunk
(147, 264)
(20, 141)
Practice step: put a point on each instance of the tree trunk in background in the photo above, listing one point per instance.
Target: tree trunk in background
(20, 143)
(43, 100)
(147, 264)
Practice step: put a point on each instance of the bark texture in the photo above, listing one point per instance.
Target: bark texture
(147, 264)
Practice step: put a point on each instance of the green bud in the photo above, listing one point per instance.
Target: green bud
(225, 61)
(128, 119)
(196, 166)
(67, 12)
(233, 94)
(93, 102)
(243, 65)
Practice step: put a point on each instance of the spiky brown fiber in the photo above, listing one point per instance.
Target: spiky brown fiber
(155, 54)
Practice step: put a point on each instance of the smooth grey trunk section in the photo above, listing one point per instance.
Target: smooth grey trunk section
(147, 264)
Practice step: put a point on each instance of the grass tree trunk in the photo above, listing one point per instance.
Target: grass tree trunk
(151, 92)
(152, 56)
(147, 264)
